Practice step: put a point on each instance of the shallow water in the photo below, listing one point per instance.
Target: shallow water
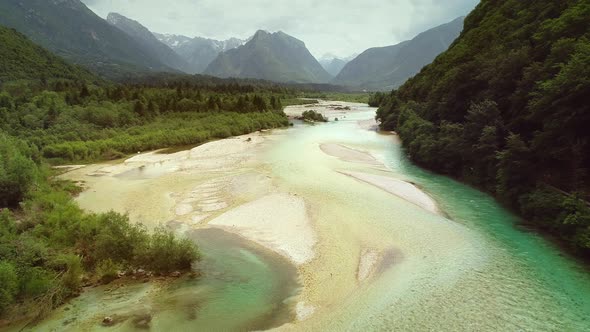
(471, 269)
(484, 274)
(242, 287)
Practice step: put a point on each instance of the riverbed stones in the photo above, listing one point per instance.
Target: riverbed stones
(108, 321)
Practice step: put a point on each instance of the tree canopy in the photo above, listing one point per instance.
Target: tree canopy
(506, 108)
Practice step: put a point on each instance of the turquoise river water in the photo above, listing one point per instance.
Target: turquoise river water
(472, 269)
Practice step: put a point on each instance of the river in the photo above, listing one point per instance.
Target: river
(298, 235)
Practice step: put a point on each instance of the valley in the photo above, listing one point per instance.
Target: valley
(309, 166)
(429, 253)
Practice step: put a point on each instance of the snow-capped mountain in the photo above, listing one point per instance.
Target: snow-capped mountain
(198, 52)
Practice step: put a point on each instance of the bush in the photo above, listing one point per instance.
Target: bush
(166, 253)
(107, 271)
(17, 171)
(313, 116)
(37, 281)
(71, 267)
(8, 284)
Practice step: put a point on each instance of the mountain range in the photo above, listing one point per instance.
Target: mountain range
(71, 30)
(148, 41)
(198, 52)
(120, 47)
(270, 56)
(334, 64)
(386, 68)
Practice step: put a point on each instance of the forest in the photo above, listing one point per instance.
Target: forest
(47, 243)
(52, 112)
(72, 122)
(506, 109)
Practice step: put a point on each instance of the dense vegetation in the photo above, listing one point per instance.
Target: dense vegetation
(57, 112)
(49, 244)
(313, 116)
(506, 109)
(71, 30)
(77, 122)
(21, 60)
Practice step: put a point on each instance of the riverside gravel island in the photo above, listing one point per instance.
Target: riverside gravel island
(324, 227)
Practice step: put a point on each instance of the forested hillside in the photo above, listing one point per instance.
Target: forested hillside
(507, 109)
(53, 112)
(77, 122)
(20, 59)
(72, 31)
(385, 68)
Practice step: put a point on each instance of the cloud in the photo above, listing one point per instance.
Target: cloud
(342, 27)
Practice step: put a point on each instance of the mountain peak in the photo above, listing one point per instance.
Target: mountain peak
(261, 33)
(149, 41)
(115, 17)
(272, 56)
(385, 68)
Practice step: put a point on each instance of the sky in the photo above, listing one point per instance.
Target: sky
(338, 27)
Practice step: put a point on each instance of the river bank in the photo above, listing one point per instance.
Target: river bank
(339, 205)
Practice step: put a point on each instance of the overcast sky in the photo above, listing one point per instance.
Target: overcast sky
(340, 27)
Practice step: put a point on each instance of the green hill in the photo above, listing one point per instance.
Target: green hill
(71, 30)
(507, 108)
(20, 59)
(384, 68)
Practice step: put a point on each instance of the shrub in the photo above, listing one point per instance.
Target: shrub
(8, 284)
(107, 271)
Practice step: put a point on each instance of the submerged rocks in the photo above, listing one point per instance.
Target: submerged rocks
(108, 321)
(142, 321)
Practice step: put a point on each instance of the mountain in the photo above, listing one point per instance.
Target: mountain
(506, 109)
(21, 59)
(384, 68)
(333, 64)
(270, 56)
(71, 30)
(198, 52)
(146, 39)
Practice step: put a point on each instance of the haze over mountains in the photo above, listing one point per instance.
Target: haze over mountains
(271, 56)
(71, 30)
(119, 47)
(146, 39)
(198, 52)
(334, 64)
(385, 68)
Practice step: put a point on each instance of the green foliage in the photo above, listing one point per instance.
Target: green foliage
(8, 284)
(71, 267)
(165, 253)
(20, 59)
(506, 108)
(18, 171)
(44, 255)
(376, 99)
(107, 271)
(300, 101)
(561, 213)
(76, 122)
(56, 243)
(313, 116)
